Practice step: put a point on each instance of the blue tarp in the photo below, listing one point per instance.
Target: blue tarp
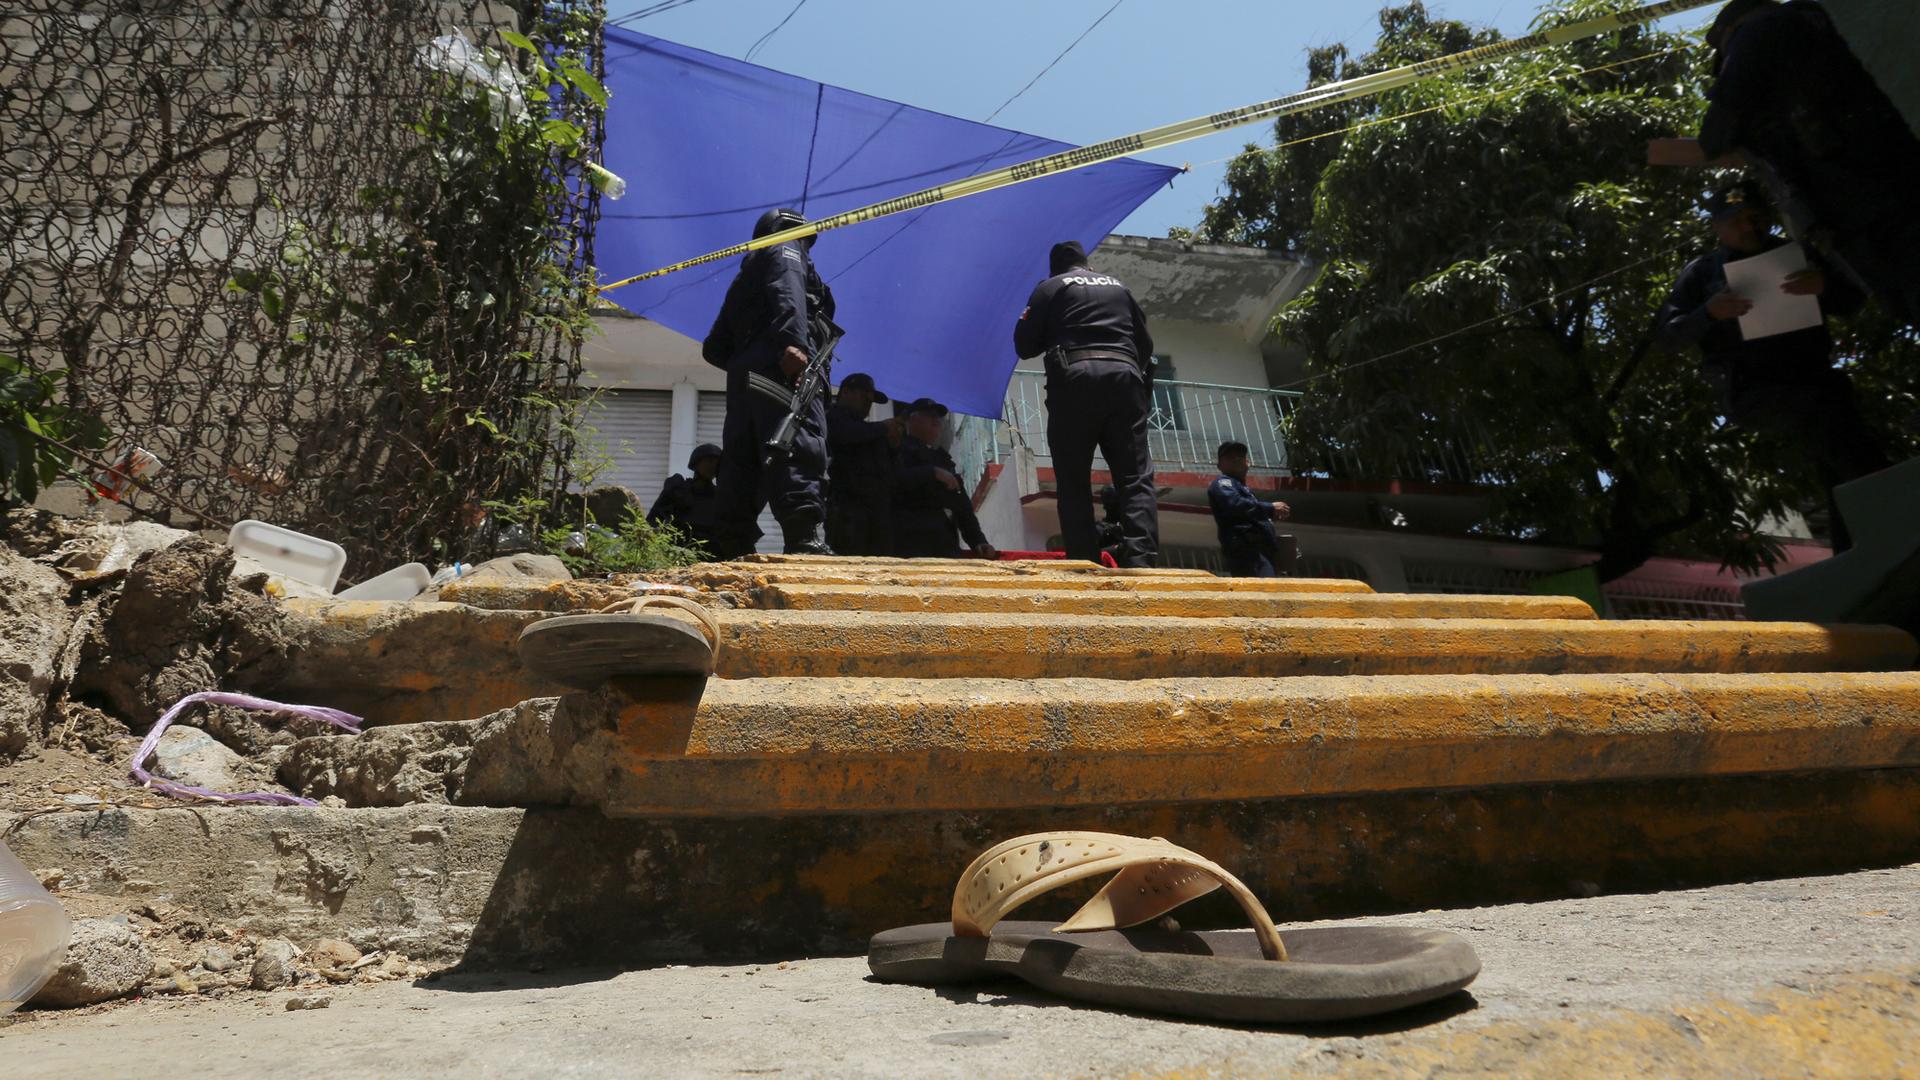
(928, 297)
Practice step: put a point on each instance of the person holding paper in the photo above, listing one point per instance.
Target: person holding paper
(1780, 382)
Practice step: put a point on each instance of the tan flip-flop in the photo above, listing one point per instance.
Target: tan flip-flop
(650, 634)
(1267, 976)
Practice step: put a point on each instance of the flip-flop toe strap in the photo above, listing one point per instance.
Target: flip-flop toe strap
(634, 604)
(1151, 878)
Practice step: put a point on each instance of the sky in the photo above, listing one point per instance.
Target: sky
(1148, 63)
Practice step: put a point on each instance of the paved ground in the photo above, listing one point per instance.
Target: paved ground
(1807, 977)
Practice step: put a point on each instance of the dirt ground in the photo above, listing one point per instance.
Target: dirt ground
(1805, 977)
(54, 779)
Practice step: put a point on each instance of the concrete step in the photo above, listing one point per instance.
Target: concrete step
(734, 577)
(967, 566)
(733, 580)
(1040, 646)
(775, 746)
(1188, 603)
(497, 886)
(411, 662)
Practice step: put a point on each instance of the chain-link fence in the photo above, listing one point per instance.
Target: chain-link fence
(328, 260)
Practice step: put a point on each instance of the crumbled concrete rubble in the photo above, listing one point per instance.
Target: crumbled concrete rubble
(543, 752)
(34, 625)
(190, 756)
(180, 625)
(153, 949)
(103, 626)
(106, 959)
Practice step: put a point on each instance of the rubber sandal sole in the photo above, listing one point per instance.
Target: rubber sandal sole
(584, 651)
(1333, 973)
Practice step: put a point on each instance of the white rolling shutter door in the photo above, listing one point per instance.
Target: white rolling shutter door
(709, 421)
(634, 428)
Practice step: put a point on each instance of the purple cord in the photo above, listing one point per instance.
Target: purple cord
(345, 721)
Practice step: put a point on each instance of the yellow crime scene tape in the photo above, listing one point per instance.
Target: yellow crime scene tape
(1168, 135)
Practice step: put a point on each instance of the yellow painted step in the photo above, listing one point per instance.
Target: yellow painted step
(1182, 603)
(824, 745)
(763, 644)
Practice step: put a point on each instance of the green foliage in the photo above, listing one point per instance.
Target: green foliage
(32, 422)
(636, 546)
(1524, 190)
(457, 275)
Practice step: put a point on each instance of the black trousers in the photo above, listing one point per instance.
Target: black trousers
(859, 526)
(1248, 562)
(1886, 262)
(1815, 411)
(1103, 405)
(795, 484)
(926, 539)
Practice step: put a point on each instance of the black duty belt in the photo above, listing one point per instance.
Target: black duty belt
(1074, 356)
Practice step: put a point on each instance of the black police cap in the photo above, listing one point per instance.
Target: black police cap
(1735, 197)
(862, 380)
(926, 405)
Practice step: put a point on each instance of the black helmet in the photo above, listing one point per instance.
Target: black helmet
(704, 450)
(778, 220)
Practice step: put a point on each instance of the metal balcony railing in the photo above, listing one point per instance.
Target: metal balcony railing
(1188, 423)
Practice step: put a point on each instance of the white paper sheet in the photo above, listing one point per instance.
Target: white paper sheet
(1759, 279)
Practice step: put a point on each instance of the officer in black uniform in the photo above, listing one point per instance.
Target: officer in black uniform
(688, 505)
(1791, 94)
(1243, 519)
(860, 452)
(1784, 383)
(770, 324)
(931, 508)
(1099, 392)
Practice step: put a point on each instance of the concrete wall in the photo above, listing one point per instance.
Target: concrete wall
(1209, 353)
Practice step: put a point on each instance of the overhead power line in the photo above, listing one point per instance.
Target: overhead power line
(1056, 60)
(768, 36)
(645, 12)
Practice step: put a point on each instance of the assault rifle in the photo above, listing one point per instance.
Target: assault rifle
(812, 383)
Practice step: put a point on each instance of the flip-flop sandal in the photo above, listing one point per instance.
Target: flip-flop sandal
(1310, 975)
(679, 637)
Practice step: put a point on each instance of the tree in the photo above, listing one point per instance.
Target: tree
(1490, 273)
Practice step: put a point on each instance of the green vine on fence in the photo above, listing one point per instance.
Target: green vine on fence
(454, 281)
(38, 435)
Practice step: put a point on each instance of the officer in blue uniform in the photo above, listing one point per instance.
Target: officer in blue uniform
(1099, 360)
(860, 455)
(1244, 520)
(772, 320)
(1785, 383)
(931, 508)
(688, 505)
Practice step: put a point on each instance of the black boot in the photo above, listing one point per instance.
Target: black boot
(804, 535)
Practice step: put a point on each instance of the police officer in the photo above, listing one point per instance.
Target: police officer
(688, 505)
(1783, 383)
(931, 508)
(1099, 392)
(1790, 94)
(860, 453)
(769, 326)
(1243, 520)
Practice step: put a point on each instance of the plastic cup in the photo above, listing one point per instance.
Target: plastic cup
(34, 929)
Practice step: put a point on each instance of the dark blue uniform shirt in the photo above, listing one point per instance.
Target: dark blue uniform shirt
(1083, 309)
(1244, 520)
